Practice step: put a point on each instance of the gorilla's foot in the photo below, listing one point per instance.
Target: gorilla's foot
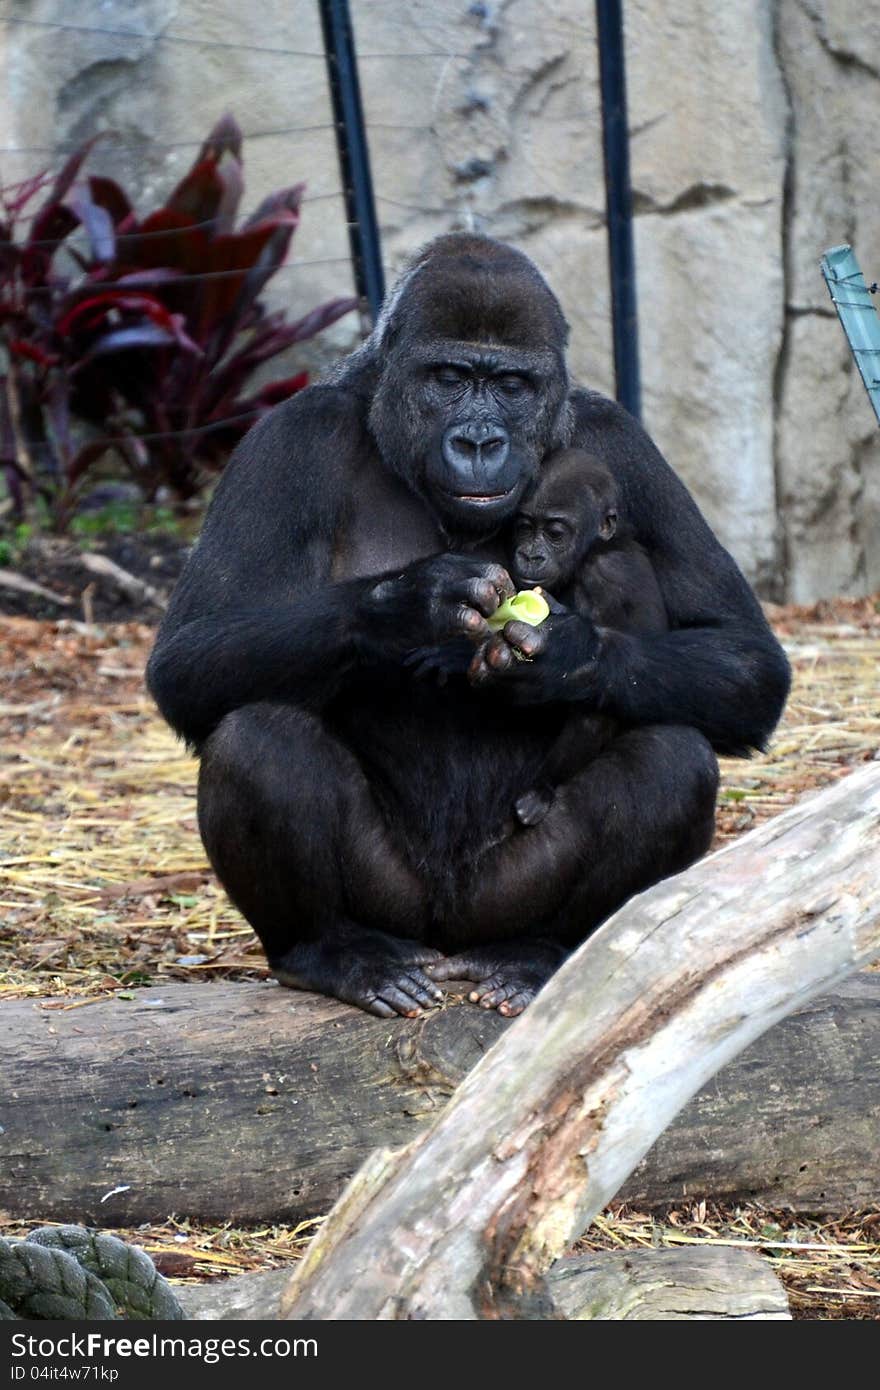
(532, 806)
(379, 973)
(507, 974)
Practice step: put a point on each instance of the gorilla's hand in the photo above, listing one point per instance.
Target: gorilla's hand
(446, 596)
(540, 665)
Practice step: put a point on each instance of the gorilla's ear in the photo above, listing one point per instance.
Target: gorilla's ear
(565, 421)
(608, 525)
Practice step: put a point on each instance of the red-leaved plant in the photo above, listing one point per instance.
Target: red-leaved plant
(151, 333)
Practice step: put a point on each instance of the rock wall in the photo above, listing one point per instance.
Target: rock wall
(751, 130)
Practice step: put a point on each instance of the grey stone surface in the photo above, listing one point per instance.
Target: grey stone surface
(753, 129)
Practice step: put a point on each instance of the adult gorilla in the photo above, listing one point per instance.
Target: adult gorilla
(360, 815)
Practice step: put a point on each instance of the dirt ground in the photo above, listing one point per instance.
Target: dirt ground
(65, 587)
(104, 884)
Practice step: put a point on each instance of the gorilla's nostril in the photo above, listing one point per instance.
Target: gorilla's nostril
(463, 447)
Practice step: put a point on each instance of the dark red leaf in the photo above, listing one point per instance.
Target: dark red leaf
(107, 194)
(33, 353)
(199, 193)
(149, 277)
(67, 173)
(225, 136)
(141, 335)
(228, 254)
(48, 230)
(229, 172)
(166, 239)
(285, 200)
(83, 460)
(112, 299)
(97, 222)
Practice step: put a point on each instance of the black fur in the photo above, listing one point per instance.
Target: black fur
(569, 537)
(361, 817)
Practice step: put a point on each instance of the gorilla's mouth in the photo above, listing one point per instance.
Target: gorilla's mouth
(480, 499)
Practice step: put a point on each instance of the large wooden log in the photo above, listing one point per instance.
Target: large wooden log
(253, 1103)
(711, 1282)
(467, 1220)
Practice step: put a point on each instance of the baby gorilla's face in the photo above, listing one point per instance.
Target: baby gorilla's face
(546, 550)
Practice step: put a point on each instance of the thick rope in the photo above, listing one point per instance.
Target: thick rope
(36, 1282)
(72, 1273)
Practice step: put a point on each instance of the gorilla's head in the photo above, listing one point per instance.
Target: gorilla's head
(472, 387)
(572, 509)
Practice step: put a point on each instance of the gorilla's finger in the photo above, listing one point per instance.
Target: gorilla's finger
(423, 989)
(516, 1003)
(494, 997)
(499, 655)
(494, 981)
(471, 621)
(401, 1001)
(376, 1006)
(531, 808)
(483, 595)
(500, 580)
(478, 671)
(416, 954)
(553, 603)
(462, 967)
(530, 641)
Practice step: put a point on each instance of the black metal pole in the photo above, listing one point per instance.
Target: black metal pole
(353, 151)
(618, 203)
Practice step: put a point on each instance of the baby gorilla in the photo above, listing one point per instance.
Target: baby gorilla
(568, 538)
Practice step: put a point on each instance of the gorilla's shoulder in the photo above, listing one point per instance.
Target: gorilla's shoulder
(594, 411)
(321, 404)
(652, 491)
(607, 427)
(309, 443)
(590, 404)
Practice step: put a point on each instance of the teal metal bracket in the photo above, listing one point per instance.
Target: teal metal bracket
(858, 316)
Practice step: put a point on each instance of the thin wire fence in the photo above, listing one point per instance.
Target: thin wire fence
(424, 45)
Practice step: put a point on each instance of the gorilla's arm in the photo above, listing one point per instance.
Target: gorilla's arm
(719, 669)
(256, 614)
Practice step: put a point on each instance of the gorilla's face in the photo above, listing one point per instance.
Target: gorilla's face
(550, 545)
(571, 510)
(478, 407)
(472, 387)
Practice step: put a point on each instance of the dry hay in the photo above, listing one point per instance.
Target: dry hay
(104, 885)
(830, 1269)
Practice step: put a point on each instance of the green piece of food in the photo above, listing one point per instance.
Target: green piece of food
(528, 606)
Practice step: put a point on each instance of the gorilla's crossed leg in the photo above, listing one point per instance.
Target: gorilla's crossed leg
(642, 810)
(296, 837)
(290, 826)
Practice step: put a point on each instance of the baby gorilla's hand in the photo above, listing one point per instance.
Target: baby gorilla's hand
(531, 808)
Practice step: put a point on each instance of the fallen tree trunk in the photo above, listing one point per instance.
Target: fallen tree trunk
(611, 1285)
(296, 1091)
(466, 1221)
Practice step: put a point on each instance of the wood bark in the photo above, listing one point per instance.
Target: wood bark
(465, 1222)
(253, 1103)
(621, 1286)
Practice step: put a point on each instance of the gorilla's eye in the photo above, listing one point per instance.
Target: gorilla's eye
(447, 376)
(511, 384)
(522, 528)
(557, 532)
